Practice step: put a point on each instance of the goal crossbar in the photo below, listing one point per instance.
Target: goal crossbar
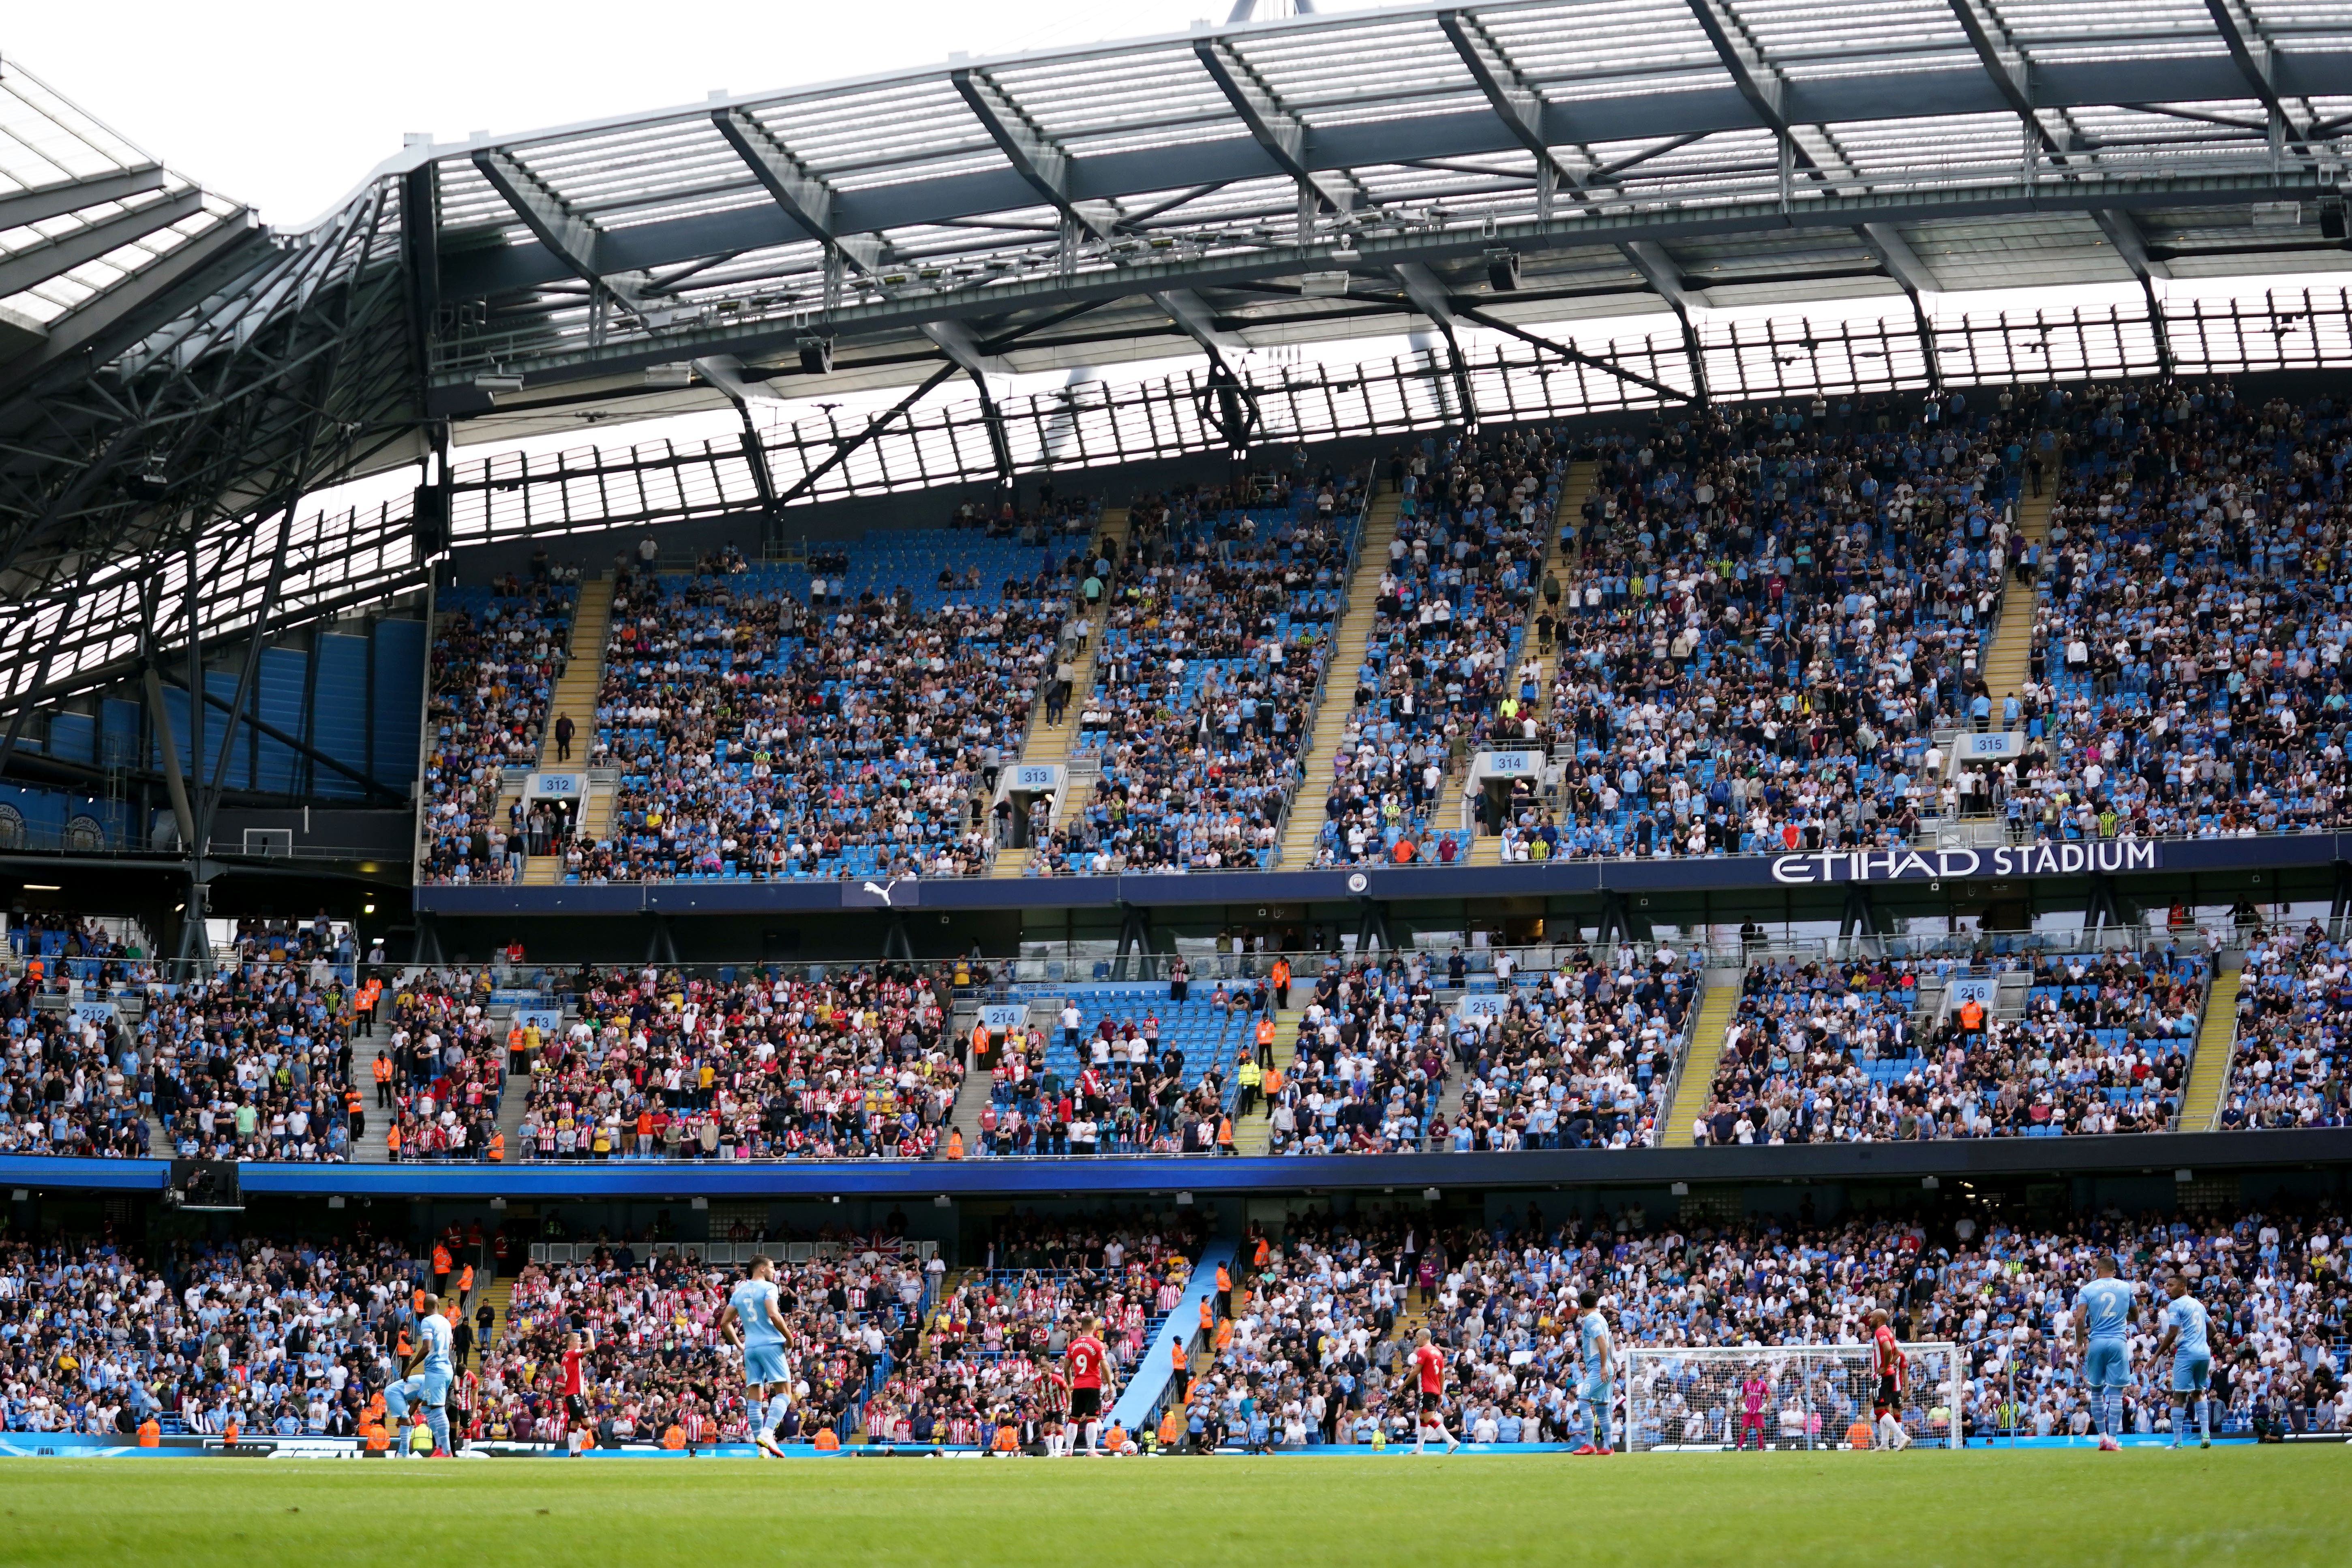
(1696, 1399)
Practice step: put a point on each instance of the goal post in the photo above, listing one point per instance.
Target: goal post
(1694, 1399)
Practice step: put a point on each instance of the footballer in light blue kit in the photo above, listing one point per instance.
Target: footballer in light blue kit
(2185, 1328)
(428, 1386)
(2102, 1326)
(1600, 1368)
(752, 1321)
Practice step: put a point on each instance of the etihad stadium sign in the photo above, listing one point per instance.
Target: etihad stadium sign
(1939, 865)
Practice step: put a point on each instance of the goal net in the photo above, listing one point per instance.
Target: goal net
(1811, 1397)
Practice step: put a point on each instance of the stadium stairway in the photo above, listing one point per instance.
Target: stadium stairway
(1347, 644)
(368, 1150)
(499, 1294)
(1714, 1011)
(1254, 1134)
(1057, 744)
(576, 694)
(1136, 1401)
(1486, 850)
(2011, 658)
(2217, 1040)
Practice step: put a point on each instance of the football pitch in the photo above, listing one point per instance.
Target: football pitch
(2273, 1506)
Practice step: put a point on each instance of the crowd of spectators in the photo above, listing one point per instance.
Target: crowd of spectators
(1766, 617)
(2187, 649)
(1822, 1052)
(1214, 639)
(992, 1356)
(447, 1064)
(1117, 1083)
(2292, 1054)
(653, 1359)
(859, 1062)
(274, 1337)
(496, 655)
(1318, 1351)
(773, 723)
(1441, 673)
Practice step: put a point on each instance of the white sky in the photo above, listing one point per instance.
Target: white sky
(287, 104)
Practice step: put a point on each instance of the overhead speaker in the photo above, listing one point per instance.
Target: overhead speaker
(816, 356)
(1503, 270)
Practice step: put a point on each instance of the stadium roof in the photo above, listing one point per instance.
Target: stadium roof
(1336, 176)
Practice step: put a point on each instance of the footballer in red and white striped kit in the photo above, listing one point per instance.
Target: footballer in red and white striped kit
(1088, 1361)
(1894, 1369)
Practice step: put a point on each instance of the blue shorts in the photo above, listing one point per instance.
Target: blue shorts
(763, 1364)
(2106, 1364)
(2191, 1371)
(1593, 1389)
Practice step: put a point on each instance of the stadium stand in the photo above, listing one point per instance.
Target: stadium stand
(497, 652)
(1832, 1053)
(2290, 1062)
(1319, 1349)
(844, 717)
(1212, 650)
(991, 1355)
(1440, 671)
(859, 1063)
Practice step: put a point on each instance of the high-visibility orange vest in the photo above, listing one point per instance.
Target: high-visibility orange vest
(384, 1070)
(1224, 1132)
(1281, 973)
(1008, 1439)
(1264, 1252)
(1177, 1360)
(955, 1145)
(1116, 1438)
(232, 1432)
(828, 1440)
(1224, 1334)
(1972, 1015)
(1266, 1031)
(1208, 1316)
(1273, 1082)
(392, 1139)
(401, 1346)
(675, 1438)
(1172, 1427)
(1224, 1280)
(440, 1258)
(466, 1281)
(372, 1436)
(151, 1434)
(498, 1147)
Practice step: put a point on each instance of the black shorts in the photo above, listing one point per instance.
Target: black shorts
(1888, 1396)
(1085, 1403)
(1431, 1401)
(576, 1406)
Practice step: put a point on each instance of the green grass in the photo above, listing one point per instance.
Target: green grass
(2271, 1506)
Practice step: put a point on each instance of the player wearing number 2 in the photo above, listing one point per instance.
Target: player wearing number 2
(1893, 1373)
(2101, 1321)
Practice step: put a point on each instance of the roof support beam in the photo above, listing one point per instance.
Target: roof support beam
(1757, 82)
(1574, 356)
(806, 199)
(1191, 312)
(1033, 154)
(1431, 298)
(571, 238)
(2252, 53)
(1281, 133)
(1911, 275)
(54, 201)
(40, 263)
(2006, 64)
